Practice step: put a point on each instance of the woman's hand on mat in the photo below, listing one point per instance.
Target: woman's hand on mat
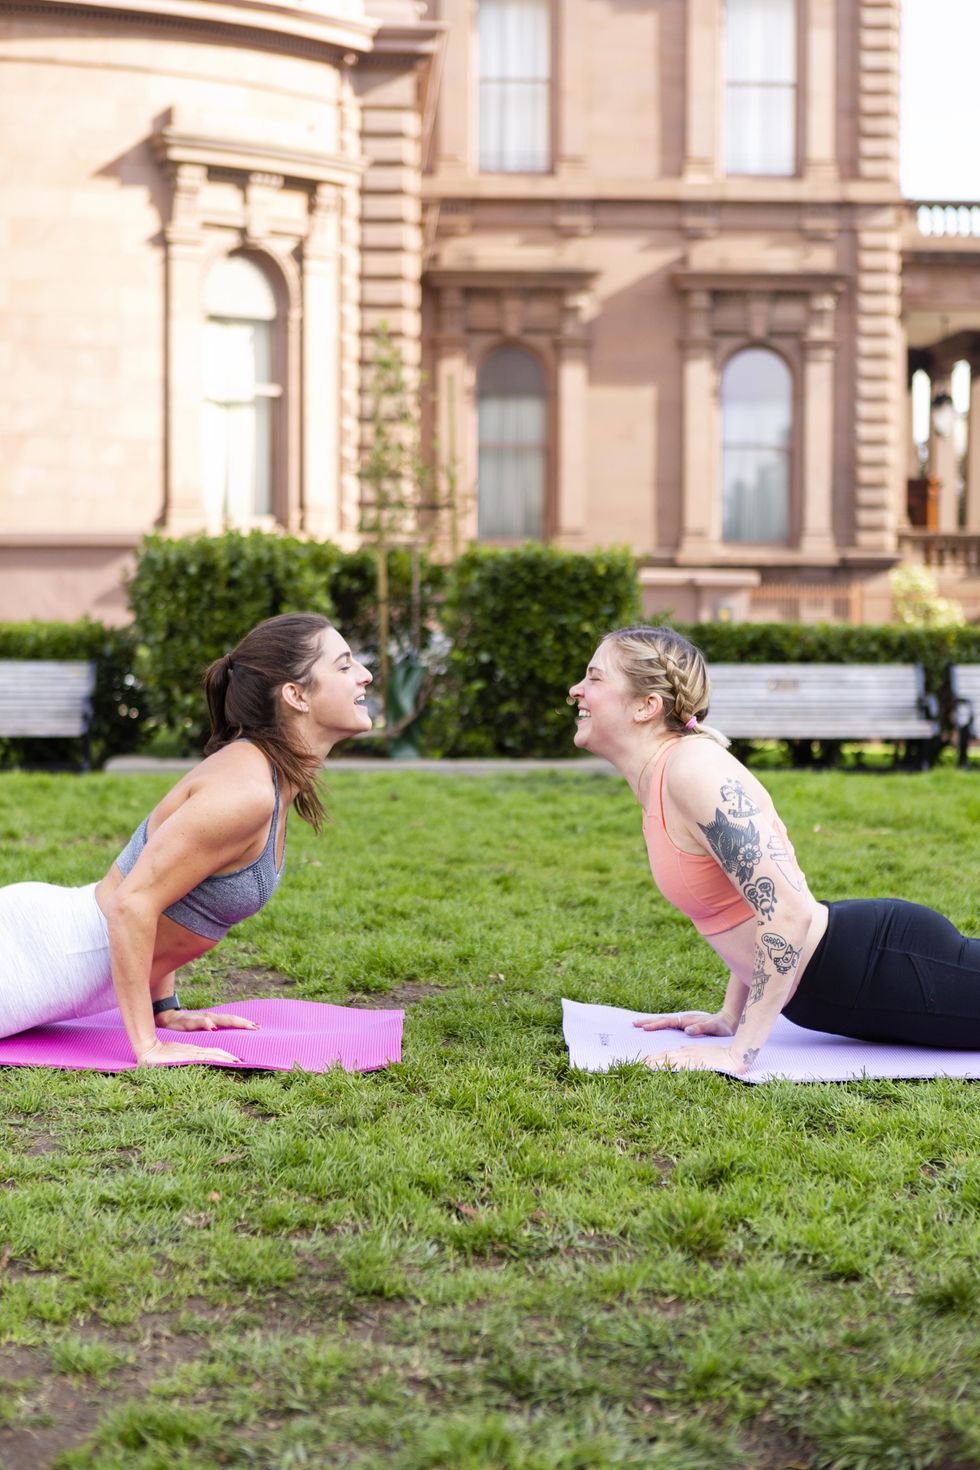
(695, 1023)
(204, 1021)
(163, 1053)
(698, 1058)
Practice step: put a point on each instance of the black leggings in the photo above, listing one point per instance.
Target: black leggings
(887, 970)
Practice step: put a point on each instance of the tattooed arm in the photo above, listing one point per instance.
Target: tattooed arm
(748, 846)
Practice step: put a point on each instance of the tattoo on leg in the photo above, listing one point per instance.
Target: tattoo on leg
(737, 849)
(762, 896)
(759, 981)
(750, 1055)
(740, 805)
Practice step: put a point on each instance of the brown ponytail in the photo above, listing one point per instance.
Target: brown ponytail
(242, 690)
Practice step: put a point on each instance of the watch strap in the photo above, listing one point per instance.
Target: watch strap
(168, 1003)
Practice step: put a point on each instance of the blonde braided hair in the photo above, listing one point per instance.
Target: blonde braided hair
(660, 661)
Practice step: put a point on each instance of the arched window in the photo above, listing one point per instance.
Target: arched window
(240, 394)
(757, 422)
(515, 85)
(760, 86)
(513, 422)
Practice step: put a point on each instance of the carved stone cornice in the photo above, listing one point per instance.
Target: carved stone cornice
(798, 282)
(177, 146)
(510, 278)
(280, 25)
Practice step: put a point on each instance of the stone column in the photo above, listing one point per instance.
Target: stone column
(184, 236)
(819, 349)
(704, 90)
(972, 522)
(879, 368)
(452, 417)
(321, 376)
(700, 457)
(455, 119)
(570, 72)
(820, 92)
(942, 455)
(573, 442)
(912, 449)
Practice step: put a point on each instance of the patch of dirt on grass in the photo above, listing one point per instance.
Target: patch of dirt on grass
(253, 984)
(32, 1139)
(406, 994)
(64, 1411)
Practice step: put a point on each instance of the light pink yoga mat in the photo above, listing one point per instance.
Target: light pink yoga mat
(294, 1033)
(600, 1036)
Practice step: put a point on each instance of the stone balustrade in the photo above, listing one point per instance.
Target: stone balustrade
(957, 551)
(946, 222)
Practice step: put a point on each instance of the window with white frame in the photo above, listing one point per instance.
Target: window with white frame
(515, 86)
(513, 458)
(240, 394)
(757, 425)
(760, 86)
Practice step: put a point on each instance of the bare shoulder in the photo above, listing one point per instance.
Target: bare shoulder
(702, 773)
(235, 779)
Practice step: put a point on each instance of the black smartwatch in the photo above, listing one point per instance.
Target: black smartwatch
(169, 1003)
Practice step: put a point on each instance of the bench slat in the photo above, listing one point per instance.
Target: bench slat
(819, 702)
(45, 697)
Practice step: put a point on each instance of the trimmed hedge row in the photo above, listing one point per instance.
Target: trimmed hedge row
(518, 627)
(195, 596)
(119, 708)
(522, 625)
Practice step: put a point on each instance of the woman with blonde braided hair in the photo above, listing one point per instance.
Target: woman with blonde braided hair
(876, 969)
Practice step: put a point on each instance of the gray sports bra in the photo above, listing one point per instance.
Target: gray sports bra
(224, 899)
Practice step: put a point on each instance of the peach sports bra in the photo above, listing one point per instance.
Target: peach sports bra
(693, 882)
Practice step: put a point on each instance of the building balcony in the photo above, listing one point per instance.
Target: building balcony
(947, 551)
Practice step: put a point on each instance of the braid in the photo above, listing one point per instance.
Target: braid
(683, 686)
(660, 661)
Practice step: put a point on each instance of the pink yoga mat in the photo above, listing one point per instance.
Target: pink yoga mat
(294, 1033)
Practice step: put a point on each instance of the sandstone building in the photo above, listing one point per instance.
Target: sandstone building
(653, 260)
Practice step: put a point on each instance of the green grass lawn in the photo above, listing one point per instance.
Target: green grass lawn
(478, 1259)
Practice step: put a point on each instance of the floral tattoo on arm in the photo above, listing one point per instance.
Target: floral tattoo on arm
(738, 849)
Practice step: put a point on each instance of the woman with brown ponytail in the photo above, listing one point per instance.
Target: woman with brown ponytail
(210, 854)
(875, 969)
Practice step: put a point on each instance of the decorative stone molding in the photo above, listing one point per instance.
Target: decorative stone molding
(182, 141)
(326, 33)
(794, 313)
(311, 456)
(548, 311)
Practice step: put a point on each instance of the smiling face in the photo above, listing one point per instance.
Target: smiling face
(334, 700)
(606, 704)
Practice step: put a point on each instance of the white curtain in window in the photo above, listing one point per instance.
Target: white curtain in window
(513, 433)
(515, 85)
(760, 91)
(757, 422)
(236, 450)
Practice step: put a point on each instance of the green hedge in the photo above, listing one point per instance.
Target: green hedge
(841, 643)
(194, 597)
(522, 624)
(119, 710)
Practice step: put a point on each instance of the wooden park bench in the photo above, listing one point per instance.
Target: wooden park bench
(47, 698)
(826, 702)
(964, 680)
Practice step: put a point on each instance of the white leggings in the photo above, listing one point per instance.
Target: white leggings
(54, 955)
